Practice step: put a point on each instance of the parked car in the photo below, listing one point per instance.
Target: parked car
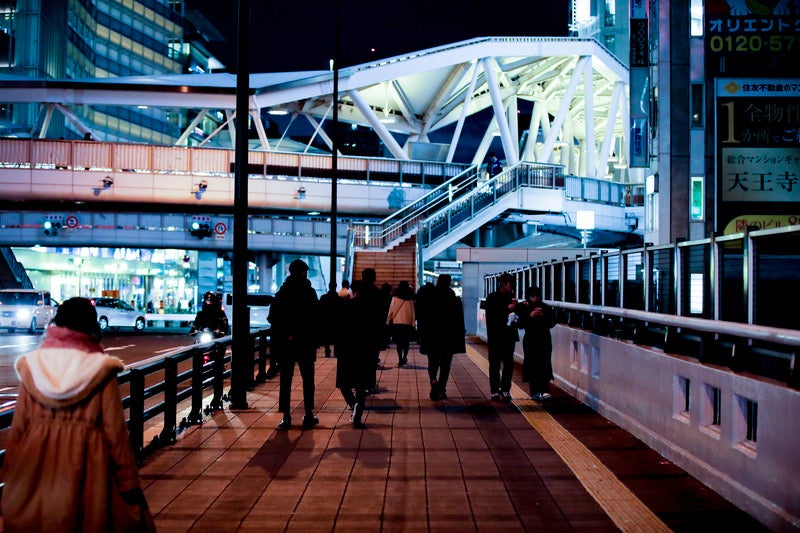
(116, 313)
(29, 309)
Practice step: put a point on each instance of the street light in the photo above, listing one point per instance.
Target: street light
(584, 221)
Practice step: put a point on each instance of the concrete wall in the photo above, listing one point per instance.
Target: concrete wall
(643, 391)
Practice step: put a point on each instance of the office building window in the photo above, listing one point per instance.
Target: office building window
(696, 18)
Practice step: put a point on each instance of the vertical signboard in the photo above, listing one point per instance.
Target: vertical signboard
(639, 84)
(758, 152)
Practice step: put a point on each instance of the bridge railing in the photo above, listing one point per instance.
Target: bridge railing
(167, 385)
(714, 299)
(117, 157)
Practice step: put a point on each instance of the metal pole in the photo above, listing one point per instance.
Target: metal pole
(334, 141)
(241, 360)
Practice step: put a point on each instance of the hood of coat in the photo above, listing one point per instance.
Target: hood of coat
(66, 368)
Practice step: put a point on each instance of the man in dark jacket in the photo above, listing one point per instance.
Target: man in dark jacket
(293, 319)
(442, 333)
(502, 337)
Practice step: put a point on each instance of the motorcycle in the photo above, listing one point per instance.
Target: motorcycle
(204, 336)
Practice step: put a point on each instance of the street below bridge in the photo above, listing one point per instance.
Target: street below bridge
(129, 346)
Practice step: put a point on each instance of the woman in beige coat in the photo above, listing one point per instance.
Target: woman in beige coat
(69, 465)
(400, 320)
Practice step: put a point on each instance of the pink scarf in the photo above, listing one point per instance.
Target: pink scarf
(61, 337)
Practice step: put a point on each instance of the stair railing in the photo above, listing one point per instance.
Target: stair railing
(378, 235)
(486, 194)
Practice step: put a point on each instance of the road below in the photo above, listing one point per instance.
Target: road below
(130, 346)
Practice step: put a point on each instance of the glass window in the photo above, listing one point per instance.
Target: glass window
(696, 14)
(697, 199)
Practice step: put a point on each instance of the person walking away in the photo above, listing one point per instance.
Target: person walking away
(329, 306)
(502, 337)
(536, 318)
(69, 465)
(420, 308)
(355, 368)
(400, 320)
(345, 293)
(293, 335)
(376, 321)
(443, 333)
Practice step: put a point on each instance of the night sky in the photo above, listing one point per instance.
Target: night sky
(298, 35)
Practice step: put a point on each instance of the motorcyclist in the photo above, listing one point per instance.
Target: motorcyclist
(211, 316)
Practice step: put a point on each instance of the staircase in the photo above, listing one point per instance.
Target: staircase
(391, 266)
(455, 208)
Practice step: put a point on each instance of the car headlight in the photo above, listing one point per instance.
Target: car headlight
(23, 314)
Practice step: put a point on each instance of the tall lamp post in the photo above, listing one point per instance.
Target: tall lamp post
(334, 141)
(240, 345)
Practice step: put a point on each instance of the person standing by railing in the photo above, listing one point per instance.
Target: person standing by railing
(536, 318)
(69, 464)
(502, 336)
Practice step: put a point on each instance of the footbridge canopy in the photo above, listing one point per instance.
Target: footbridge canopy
(417, 103)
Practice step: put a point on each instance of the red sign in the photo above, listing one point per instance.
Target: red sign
(72, 221)
(220, 228)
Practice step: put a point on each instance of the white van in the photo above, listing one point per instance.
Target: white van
(29, 309)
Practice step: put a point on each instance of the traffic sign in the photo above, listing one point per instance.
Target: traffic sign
(220, 228)
(72, 221)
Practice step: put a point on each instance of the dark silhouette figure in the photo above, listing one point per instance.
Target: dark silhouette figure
(329, 307)
(493, 166)
(441, 333)
(355, 364)
(502, 336)
(376, 319)
(211, 316)
(536, 318)
(293, 338)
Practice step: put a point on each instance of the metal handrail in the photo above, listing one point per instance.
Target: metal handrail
(175, 387)
(486, 194)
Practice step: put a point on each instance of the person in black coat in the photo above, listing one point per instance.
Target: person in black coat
(536, 318)
(441, 333)
(373, 298)
(502, 337)
(329, 307)
(293, 339)
(355, 363)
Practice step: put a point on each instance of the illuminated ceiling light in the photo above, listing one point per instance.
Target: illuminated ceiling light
(278, 112)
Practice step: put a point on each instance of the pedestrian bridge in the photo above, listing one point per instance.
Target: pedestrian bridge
(112, 194)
